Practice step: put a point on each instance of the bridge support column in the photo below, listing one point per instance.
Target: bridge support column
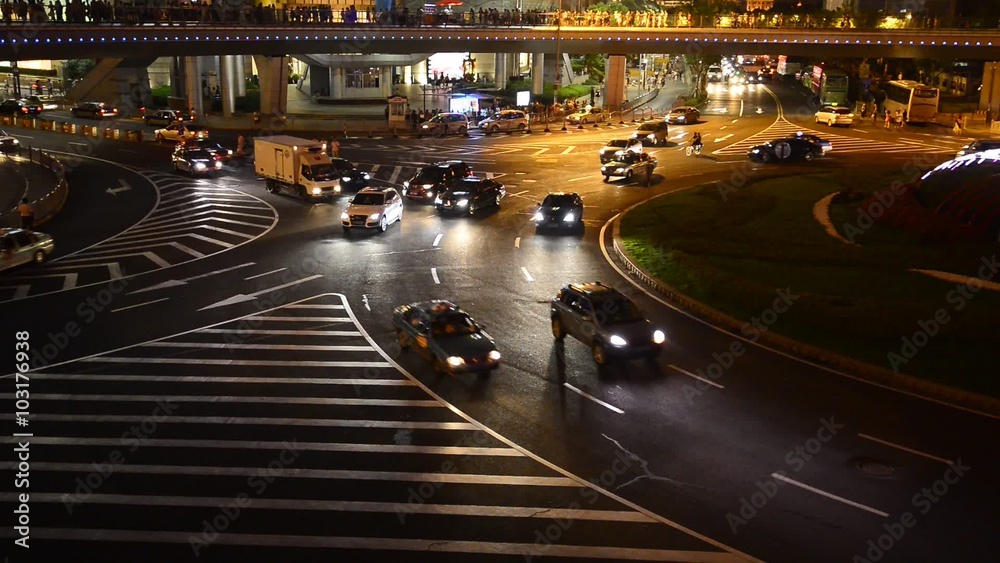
(989, 97)
(273, 73)
(614, 82)
(407, 74)
(227, 84)
(538, 73)
(500, 70)
(319, 80)
(419, 72)
(177, 78)
(337, 83)
(240, 77)
(385, 81)
(192, 85)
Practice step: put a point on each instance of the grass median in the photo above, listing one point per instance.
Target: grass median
(861, 301)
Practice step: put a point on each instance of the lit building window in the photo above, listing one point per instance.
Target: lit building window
(361, 78)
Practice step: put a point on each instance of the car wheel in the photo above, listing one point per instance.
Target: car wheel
(830, 123)
(607, 178)
(628, 175)
(557, 330)
(498, 201)
(817, 120)
(472, 208)
(463, 131)
(39, 257)
(402, 339)
(521, 127)
(808, 156)
(439, 368)
(347, 231)
(599, 354)
(383, 224)
(495, 129)
(272, 187)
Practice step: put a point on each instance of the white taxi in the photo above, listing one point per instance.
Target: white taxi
(373, 208)
(833, 115)
(179, 131)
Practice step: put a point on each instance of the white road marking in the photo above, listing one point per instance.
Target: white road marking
(568, 150)
(735, 120)
(139, 305)
(428, 403)
(395, 174)
(905, 449)
(228, 362)
(242, 346)
(578, 179)
(803, 486)
(720, 139)
(78, 144)
(723, 127)
(517, 242)
(593, 398)
(741, 108)
(364, 299)
(222, 379)
(241, 297)
(264, 274)
(434, 274)
(303, 319)
(437, 239)
(280, 332)
(527, 276)
(256, 421)
(315, 306)
(539, 152)
(695, 376)
(522, 192)
(20, 291)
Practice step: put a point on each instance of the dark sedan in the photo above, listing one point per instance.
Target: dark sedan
(94, 110)
(781, 150)
(470, 196)
(350, 177)
(445, 335)
(434, 179)
(628, 165)
(162, 117)
(210, 146)
(195, 161)
(615, 146)
(19, 108)
(560, 210)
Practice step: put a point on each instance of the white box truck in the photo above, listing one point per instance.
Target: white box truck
(295, 166)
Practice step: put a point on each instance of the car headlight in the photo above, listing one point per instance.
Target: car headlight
(406, 183)
(425, 126)
(659, 337)
(462, 203)
(539, 216)
(317, 191)
(569, 218)
(344, 216)
(368, 176)
(428, 186)
(374, 217)
(616, 340)
(199, 166)
(495, 355)
(229, 152)
(16, 142)
(620, 170)
(218, 164)
(755, 151)
(455, 361)
(345, 178)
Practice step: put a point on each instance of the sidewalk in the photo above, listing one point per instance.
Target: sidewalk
(19, 179)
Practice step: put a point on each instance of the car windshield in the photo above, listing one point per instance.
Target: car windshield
(322, 171)
(553, 200)
(679, 111)
(617, 310)
(647, 127)
(428, 176)
(617, 143)
(369, 199)
(454, 324)
(199, 155)
(342, 165)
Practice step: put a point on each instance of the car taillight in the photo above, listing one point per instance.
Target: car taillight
(24, 109)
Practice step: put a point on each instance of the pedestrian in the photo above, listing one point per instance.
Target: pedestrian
(957, 129)
(649, 172)
(335, 148)
(989, 116)
(874, 114)
(27, 215)
(888, 120)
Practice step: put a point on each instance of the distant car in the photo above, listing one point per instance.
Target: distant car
(431, 180)
(350, 177)
(46, 103)
(19, 108)
(752, 78)
(373, 208)
(609, 151)
(446, 336)
(653, 132)
(560, 211)
(163, 117)
(585, 116)
(195, 161)
(832, 115)
(94, 110)
(8, 143)
(785, 150)
(628, 165)
(18, 247)
(605, 320)
(979, 145)
(507, 121)
(469, 196)
(177, 131)
(445, 123)
(684, 114)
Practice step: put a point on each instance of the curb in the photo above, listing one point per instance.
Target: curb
(58, 194)
(856, 369)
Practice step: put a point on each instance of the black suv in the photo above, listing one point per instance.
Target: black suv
(434, 179)
(470, 195)
(19, 108)
(652, 132)
(606, 320)
(560, 210)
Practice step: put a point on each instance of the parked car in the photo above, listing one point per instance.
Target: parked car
(507, 121)
(684, 114)
(606, 320)
(585, 116)
(94, 110)
(178, 131)
(832, 115)
(350, 177)
(19, 108)
(195, 161)
(628, 165)
(445, 335)
(431, 180)
(610, 151)
(163, 117)
(559, 210)
(653, 132)
(18, 247)
(373, 208)
(8, 143)
(785, 150)
(979, 145)
(445, 123)
(470, 195)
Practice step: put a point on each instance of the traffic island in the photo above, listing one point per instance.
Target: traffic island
(47, 188)
(861, 307)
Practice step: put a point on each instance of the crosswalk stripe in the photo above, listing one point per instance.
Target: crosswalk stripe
(278, 332)
(227, 362)
(353, 382)
(255, 421)
(242, 346)
(314, 306)
(364, 402)
(266, 445)
(308, 473)
(840, 143)
(304, 319)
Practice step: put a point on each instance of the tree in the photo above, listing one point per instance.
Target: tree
(594, 65)
(698, 65)
(75, 69)
(714, 7)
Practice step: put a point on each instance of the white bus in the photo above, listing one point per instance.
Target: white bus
(918, 102)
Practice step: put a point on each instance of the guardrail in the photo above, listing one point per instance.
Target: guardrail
(52, 202)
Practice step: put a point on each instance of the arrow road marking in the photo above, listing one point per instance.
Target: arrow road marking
(264, 274)
(175, 283)
(124, 188)
(720, 139)
(364, 299)
(760, 111)
(240, 297)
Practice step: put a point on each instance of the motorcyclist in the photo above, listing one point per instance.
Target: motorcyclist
(696, 141)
